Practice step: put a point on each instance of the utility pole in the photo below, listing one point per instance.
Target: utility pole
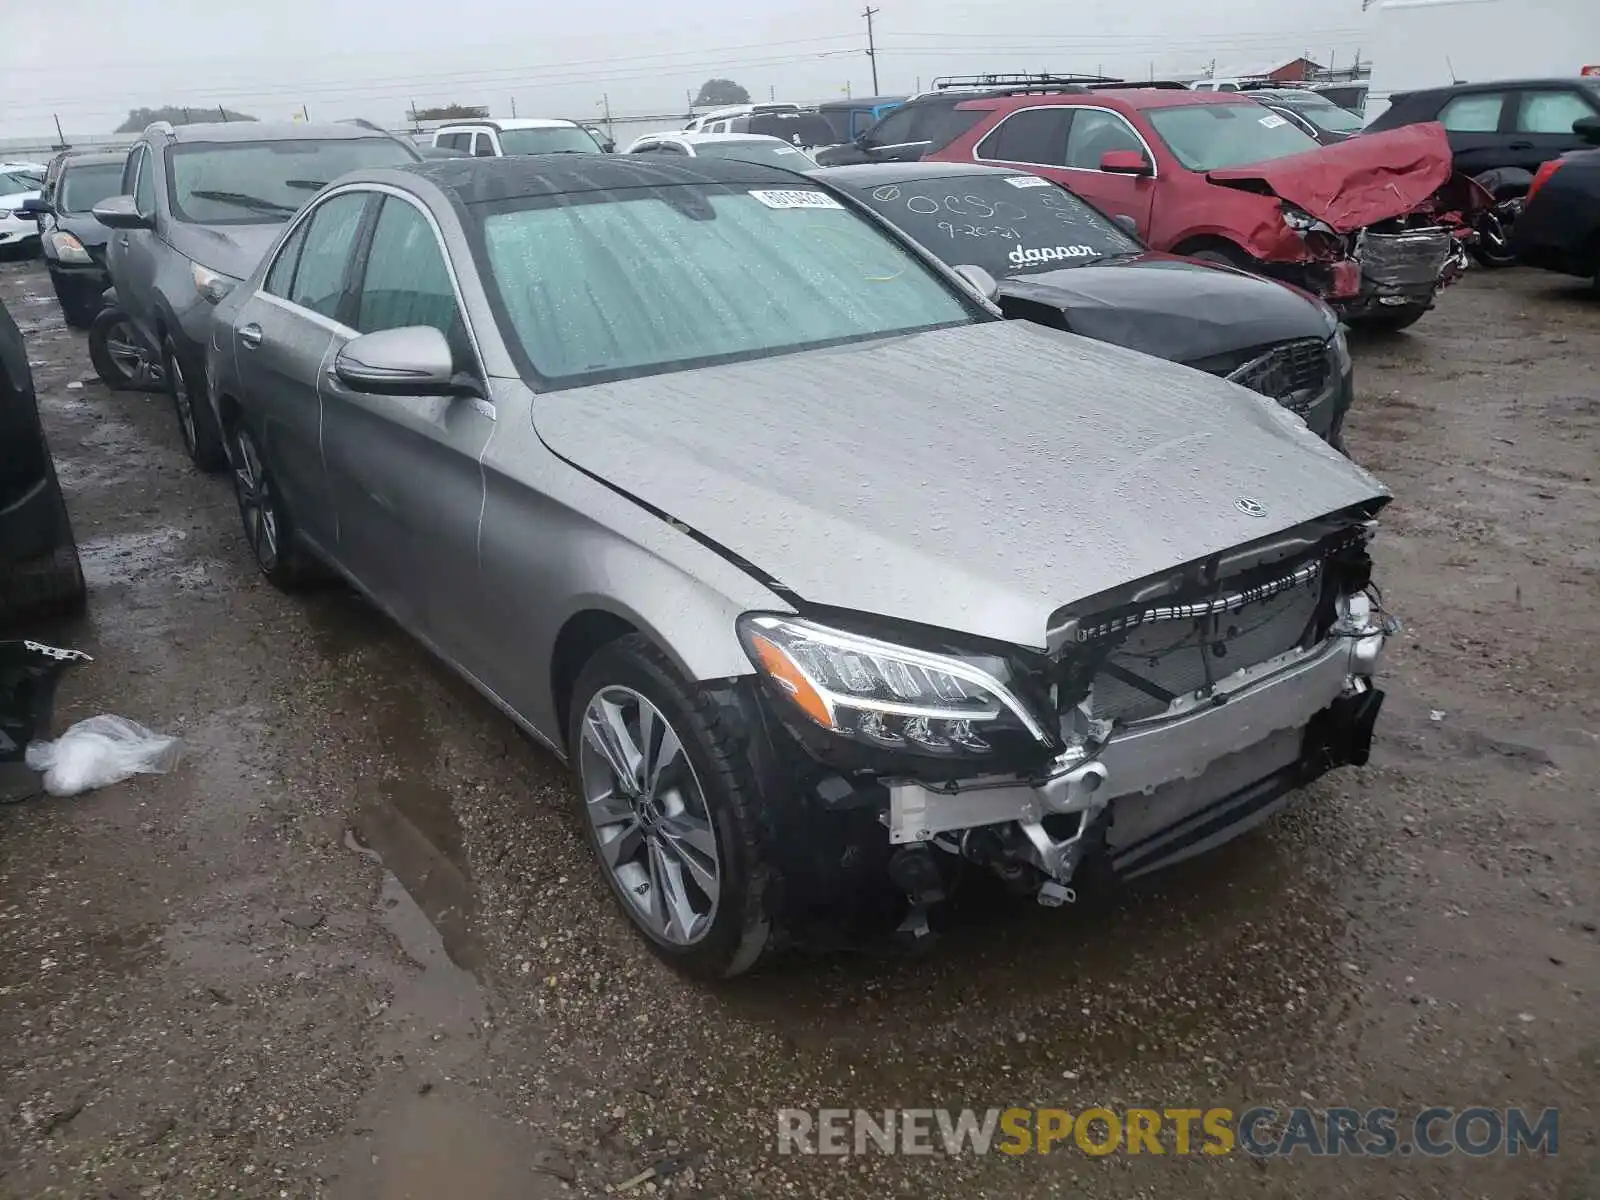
(605, 99)
(872, 49)
(513, 106)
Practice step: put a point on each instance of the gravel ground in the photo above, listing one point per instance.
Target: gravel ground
(355, 947)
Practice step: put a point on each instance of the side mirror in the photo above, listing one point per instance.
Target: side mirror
(981, 281)
(1588, 128)
(120, 212)
(413, 361)
(1126, 223)
(1126, 162)
(33, 206)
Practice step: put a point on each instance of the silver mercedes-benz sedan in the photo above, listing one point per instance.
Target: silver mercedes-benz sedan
(827, 582)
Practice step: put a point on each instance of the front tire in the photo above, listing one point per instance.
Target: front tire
(202, 441)
(669, 803)
(268, 529)
(1390, 320)
(119, 355)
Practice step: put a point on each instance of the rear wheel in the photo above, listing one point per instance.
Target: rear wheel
(669, 801)
(202, 441)
(119, 354)
(267, 528)
(1224, 257)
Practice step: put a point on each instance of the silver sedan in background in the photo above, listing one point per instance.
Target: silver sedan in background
(828, 582)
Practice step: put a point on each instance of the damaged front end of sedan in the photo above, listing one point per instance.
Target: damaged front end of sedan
(1164, 718)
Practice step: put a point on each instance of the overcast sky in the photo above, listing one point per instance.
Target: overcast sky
(90, 61)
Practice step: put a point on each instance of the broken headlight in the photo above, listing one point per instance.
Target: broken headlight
(1303, 222)
(891, 697)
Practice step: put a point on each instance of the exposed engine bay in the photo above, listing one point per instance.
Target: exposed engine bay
(1189, 710)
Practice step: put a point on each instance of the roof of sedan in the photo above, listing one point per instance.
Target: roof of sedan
(92, 158)
(865, 175)
(476, 180)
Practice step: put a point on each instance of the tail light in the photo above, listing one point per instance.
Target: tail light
(1543, 176)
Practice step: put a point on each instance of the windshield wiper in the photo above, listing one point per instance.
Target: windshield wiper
(311, 185)
(245, 201)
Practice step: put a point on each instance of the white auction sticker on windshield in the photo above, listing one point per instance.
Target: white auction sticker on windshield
(1027, 181)
(796, 199)
(1272, 121)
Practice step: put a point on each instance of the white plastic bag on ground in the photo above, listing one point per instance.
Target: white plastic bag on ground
(99, 751)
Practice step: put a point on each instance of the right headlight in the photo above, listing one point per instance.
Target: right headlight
(67, 248)
(888, 696)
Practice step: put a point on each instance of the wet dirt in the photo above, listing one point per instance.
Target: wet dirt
(355, 945)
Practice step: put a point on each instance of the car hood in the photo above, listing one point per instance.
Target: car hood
(974, 479)
(1173, 307)
(1357, 182)
(231, 249)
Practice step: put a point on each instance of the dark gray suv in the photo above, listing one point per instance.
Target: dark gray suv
(200, 205)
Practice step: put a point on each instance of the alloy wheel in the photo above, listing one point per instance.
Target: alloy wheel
(648, 811)
(182, 401)
(253, 488)
(124, 349)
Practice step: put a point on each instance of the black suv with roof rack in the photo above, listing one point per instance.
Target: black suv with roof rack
(930, 121)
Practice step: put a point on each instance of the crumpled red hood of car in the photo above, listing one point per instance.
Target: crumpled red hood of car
(1355, 183)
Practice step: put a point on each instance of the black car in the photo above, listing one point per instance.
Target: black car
(74, 242)
(1500, 134)
(924, 124)
(1310, 112)
(1062, 262)
(1560, 227)
(39, 571)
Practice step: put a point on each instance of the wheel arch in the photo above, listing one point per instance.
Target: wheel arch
(1214, 241)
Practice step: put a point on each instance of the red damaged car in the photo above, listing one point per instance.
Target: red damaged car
(1375, 225)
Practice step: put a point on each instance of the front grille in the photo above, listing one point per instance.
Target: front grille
(1158, 662)
(1292, 373)
(1413, 258)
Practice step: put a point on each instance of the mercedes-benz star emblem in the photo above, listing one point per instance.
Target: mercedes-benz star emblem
(1249, 507)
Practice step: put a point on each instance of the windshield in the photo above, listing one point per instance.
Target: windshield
(1206, 137)
(774, 153)
(19, 181)
(609, 285)
(81, 188)
(555, 139)
(1006, 224)
(257, 183)
(1328, 115)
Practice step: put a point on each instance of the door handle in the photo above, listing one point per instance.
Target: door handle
(1522, 145)
(123, 240)
(250, 335)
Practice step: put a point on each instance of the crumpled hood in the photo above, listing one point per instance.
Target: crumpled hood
(1173, 307)
(231, 249)
(1358, 182)
(974, 479)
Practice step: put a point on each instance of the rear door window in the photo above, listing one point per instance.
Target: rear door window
(483, 147)
(1473, 114)
(1034, 135)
